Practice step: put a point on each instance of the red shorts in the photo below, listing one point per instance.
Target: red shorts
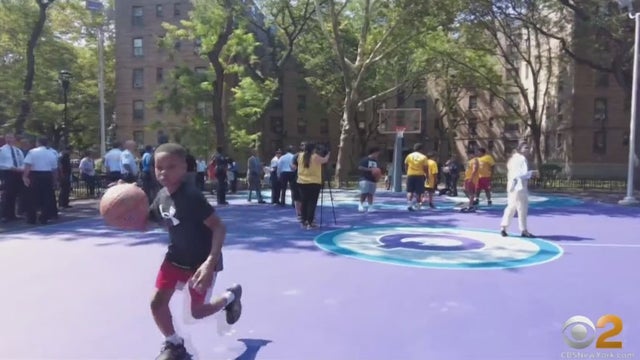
(171, 275)
(470, 186)
(484, 184)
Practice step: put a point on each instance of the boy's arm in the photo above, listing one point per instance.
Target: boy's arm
(204, 212)
(218, 234)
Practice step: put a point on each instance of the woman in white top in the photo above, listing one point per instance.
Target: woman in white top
(518, 175)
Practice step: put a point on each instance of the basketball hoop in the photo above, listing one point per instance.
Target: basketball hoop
(400, 131)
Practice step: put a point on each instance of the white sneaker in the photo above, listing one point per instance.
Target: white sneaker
(360, 208)
(370, 209)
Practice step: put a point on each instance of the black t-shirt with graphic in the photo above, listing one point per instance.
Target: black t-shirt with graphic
(183, 213)
(368, 162)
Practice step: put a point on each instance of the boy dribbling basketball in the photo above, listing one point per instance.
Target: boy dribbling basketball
(194, 256)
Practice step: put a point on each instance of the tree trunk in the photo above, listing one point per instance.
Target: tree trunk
(219, 82)
(218, 113)
(26, 102)
(536, 135)
(346, 126)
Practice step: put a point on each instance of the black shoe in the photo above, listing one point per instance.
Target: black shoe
(476, 202)
(234, 309)
(489, 203)
(504, 233)
(527, 234)
(171, 351)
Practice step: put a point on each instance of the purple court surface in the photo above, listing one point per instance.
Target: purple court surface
(390, 284)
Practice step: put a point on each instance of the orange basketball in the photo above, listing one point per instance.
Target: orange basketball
(377, 173)
(125, 206)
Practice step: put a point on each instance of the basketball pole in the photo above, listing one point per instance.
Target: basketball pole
(397, 163)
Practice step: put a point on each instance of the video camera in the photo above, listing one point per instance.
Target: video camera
(323, 149)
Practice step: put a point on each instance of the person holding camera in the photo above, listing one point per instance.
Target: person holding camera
(310, 182)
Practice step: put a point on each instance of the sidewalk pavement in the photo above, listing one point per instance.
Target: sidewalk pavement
(80, 209)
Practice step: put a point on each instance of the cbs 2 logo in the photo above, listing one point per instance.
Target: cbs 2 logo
(580, 338)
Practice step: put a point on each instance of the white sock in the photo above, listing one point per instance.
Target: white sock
(229, 297)
(174, 339)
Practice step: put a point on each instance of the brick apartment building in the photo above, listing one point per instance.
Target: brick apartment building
(584, 133)
(142, 67)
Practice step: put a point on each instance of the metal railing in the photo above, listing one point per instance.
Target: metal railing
(80, 190)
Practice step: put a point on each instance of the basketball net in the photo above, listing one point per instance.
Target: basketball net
(400, 131)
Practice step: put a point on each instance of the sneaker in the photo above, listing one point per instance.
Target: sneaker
(504, 233)
(234, 310)
(526, 234)
(171, 351)
(360, 208)
(489, 202)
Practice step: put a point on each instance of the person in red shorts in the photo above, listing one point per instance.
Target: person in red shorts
(194, 256)
(486, 165)
(471, 180)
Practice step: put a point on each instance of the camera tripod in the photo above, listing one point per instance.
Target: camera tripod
(333, 209)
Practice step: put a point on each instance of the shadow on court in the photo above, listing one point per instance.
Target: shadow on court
(253, 346)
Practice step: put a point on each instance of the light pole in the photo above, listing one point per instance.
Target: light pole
(629, 199)
(96, 8)
(65, 79)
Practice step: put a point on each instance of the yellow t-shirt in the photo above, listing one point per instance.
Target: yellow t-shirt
(468, 172)
(433, 174)
(312, 174)
(485, 162)
(416, 162)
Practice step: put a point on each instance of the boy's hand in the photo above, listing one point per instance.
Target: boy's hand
(202, 278)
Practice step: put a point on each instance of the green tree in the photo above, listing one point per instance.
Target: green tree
(32, 43)
(74, 44)
(219, 28)
(366, 35)
(454, 68)
(526, 56)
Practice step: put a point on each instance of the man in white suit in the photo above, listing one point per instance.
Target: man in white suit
(518, 175)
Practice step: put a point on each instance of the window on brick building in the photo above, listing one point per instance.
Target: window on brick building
(302, 125)
(138, 50)
(473, 102)
(276, 125)
(176, 10)
(602, 79)
(138, 78)
(137, 16)
(159, 11)
(324, 126)
(600, 111)
(472, 145)
(302, 102)
(138, 110)
(600, 142)
(138, 137)
(159, 74)
(473, 126)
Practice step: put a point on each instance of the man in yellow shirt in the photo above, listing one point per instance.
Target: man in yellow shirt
(417, 170)
(471, 179)
(431, 185)
(485, 173)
